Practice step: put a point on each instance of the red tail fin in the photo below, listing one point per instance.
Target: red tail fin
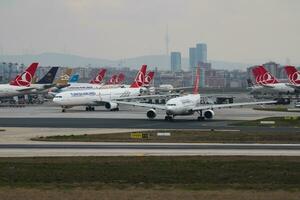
(26, 77)
(140, 78)
(120, 78)
(196, 85)
(112, 79)
(293, 75)
(256, 73)
(267, 77)
(99, 78)
(148, 78)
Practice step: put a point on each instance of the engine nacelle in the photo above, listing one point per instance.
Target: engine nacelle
(209, 114)
(151, 114)
(111, 106)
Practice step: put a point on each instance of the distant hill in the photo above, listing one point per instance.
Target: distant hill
(159, 61)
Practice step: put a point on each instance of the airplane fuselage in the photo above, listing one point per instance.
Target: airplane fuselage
(93, 97)
(182, 105)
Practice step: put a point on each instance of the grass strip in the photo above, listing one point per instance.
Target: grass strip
(259, 173)
(279, 121)
(190, 136)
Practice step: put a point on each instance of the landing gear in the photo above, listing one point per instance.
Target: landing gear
(63, 110)
(115, 109)
(200, 118)
(89, 108)
(168, 118)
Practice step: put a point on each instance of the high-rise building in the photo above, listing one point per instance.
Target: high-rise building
(175, 61)
(201, 53)
(192, 58)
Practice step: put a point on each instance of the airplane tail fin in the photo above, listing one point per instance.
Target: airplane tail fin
(64, 78)
(266, 77)
(99, 78)
(25, 78)
(120, 78)
(74, 78)
(293, 75)
(112, 80)
(140, 77)
(49, 76)
(197, 80)
(148, 78)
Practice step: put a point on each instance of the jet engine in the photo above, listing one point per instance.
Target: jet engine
(209, 114)
(151, 114)
(111, 106)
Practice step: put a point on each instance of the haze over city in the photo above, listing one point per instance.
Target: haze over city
(235, 30)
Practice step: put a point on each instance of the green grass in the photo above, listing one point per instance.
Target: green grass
(259, 173)
(279, 121)
(190, 136)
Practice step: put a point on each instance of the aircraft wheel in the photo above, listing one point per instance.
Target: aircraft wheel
(63, 110)
(168, 118)
(93, 108)
(201, 118)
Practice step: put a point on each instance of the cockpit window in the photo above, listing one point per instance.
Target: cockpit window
(171, 104)
(58, 96)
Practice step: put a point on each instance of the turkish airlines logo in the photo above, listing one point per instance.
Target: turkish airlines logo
(140, 78)
(266, 78)
(98, 78)
(295, 78)
(24, 79)
(147, 79)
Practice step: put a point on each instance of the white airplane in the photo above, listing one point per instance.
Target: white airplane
(21, 84)
(91, 98)
(267, 83)
(187, 105)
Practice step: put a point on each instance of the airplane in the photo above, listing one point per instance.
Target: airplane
(293, 76)
(187, 105)
(266, 82)
(74, 78)
(45, 82)
(94, 97)
(99, 78)
(21, 84)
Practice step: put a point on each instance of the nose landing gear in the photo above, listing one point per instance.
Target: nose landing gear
(200, 118)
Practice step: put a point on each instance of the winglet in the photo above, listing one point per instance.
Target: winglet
(196, 85)
(26, 77)
(140, 77)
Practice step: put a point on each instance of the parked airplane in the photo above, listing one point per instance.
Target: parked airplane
(74, 78)
(187, 105)
(99, 78)
(21, 84)
(293, 76)
(267, 83)
(94, 97)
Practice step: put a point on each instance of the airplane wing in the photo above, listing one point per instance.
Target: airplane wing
(145, 105)
(26, 89)
(146, 97)
(212, 106)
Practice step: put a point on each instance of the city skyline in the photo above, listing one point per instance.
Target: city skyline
(238, 31)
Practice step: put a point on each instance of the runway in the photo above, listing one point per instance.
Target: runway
(178, 124)
(142, 149)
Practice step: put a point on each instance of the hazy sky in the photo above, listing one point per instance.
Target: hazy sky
(234, 30)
